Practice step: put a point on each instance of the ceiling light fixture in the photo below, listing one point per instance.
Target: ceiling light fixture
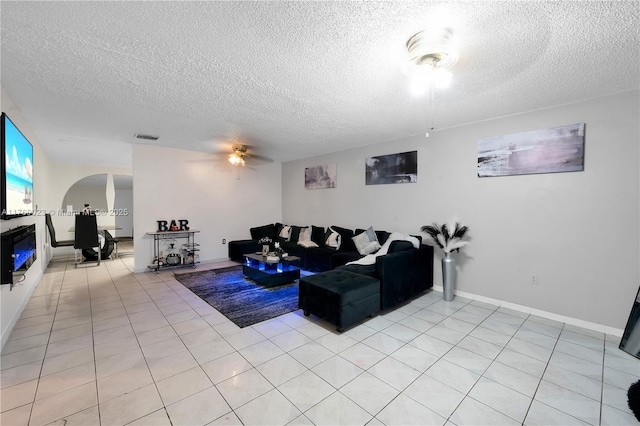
(431, 53)
(237, 158)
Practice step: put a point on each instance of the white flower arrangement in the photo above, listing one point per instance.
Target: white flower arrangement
(279, 251)
(448, 236)
(265, 240)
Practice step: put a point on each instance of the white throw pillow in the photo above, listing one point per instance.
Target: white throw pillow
(366, 242)
(371, 247)
(305, 234)
(332, 239)
(285, 232)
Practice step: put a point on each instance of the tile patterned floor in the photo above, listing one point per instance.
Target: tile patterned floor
(103, 346)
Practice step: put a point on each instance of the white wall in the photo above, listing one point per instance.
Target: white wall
(124, 201)
(12, 302)
(79, 195)
(51, 182)
(203, 189)
(579, 232)
(63, 177)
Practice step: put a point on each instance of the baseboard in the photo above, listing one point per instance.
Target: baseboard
(544, 314)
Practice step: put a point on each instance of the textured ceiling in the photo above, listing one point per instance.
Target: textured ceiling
(294, 79)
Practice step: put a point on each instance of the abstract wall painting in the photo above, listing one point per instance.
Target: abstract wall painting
(554, 150)
(320, 177)
(392, 168)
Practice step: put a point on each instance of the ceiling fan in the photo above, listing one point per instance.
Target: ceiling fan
(237, 158)
(240, 156)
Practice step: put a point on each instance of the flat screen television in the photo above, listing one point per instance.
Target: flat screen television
(17, 172)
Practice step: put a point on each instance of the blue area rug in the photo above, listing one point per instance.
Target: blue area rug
(238, 298)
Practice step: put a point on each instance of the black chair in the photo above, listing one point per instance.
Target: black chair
(86, 235)
(52, 234)
(118, 240)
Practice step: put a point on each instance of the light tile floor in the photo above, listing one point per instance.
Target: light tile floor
(101, 345)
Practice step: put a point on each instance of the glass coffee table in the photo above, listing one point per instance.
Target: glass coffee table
(270, 273)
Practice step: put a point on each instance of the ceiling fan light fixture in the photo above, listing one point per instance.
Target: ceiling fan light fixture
(424, 78)
(431, 53)
(237, 159)
(436, 47)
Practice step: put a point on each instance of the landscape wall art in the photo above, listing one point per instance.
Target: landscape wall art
(320, 177)
(554, 150)
(392, 168)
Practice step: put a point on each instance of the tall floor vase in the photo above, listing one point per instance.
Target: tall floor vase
(448, 276)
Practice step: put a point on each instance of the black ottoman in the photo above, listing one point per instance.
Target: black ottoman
(340, 297)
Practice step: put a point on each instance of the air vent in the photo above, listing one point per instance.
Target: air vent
(146, 137)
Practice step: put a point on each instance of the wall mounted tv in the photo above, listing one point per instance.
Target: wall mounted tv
(17, 172)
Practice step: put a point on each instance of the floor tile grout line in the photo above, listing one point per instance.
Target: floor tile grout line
(495, 360)
(417, 378)
(533, 397)
(94, 352)
(542, 378)
(199, 365)
(467, 395)
(145, 360)
(376, 331)
(423, 373)
(604, 356)
(33, 404)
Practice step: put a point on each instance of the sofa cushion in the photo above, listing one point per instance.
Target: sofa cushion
(300, 233)
(383, 236)
(237, 249)
(339, 287)
(293, 249)
(332, 239)
(397, 246)
(279, 227)
(263, 231)
(369, 270)
(317, 234)
(341, 258)
(318, 259)
(307, 243)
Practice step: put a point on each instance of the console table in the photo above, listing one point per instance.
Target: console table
(189, 248)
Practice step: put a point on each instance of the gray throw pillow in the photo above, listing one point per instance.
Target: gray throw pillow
(366, 242)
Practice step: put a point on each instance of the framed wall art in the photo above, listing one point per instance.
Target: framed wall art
(320, 177)
(554, 150)
(392, 168)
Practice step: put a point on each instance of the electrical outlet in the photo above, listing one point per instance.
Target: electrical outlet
(224, 241)
(533, 279)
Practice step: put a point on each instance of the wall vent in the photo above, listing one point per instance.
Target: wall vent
(146, 137)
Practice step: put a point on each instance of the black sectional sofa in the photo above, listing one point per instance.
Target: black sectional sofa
(345, 294)
(313, 259)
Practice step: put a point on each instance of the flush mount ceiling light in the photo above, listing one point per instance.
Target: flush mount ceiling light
(431, 53)
(435, 47)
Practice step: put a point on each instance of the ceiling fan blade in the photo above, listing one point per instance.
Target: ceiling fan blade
(260, 158)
